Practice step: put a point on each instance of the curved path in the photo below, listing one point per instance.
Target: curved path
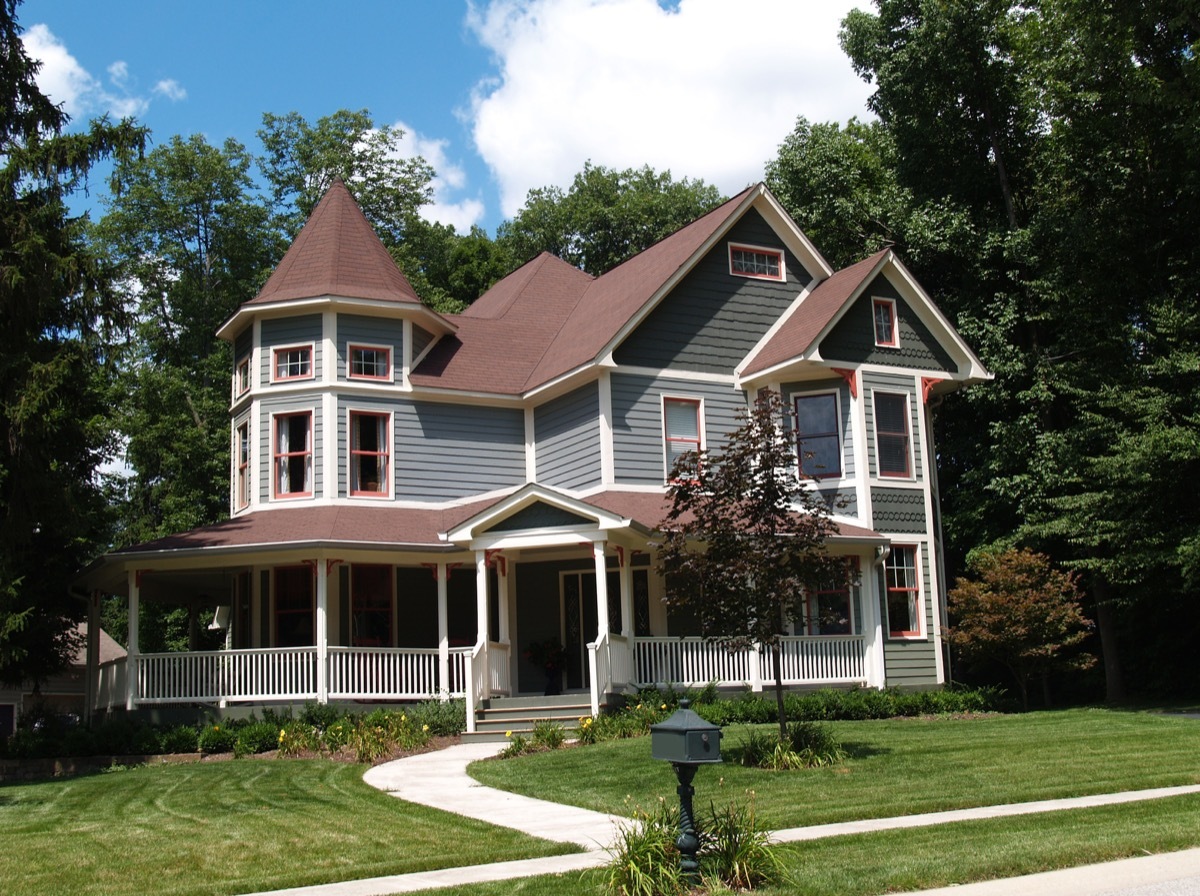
(440, 780)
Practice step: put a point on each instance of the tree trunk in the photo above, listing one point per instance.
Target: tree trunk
(1046, 701)
(777, 662)
(1106, 625)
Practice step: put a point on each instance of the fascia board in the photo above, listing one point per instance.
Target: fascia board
(287, 307)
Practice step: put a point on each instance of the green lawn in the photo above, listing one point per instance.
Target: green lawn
(897, 767)
(229, 827)
(899, 861)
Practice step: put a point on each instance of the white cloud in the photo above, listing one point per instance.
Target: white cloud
(65, 81)
(706, 88)
(450, 179)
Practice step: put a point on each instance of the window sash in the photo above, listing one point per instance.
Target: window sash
(293, 455)
(818, 440)
(243, 467)
(368, 454)
(886, 334)
(903, 591)
(293, 363)
(681, 426)
(370, 362)
(892, 450)
(748, 261)
(241, 377)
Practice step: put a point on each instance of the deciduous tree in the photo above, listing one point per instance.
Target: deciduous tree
(744, 537)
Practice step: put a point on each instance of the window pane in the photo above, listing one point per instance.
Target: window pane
(683, 428)
(368, 453)
(891, 434)
(902, 594)
(818, 446)
(885, 323)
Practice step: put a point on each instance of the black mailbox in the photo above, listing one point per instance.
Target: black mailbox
(685, 738)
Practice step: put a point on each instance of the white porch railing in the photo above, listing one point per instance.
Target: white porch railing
(499, 678)
(110, 684)
(287, 673)
(620, 662)
(382, 673)
(475, 674)
(694, 662)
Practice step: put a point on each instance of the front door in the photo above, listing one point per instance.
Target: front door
(580, 621)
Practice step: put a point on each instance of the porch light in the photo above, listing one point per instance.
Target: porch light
(686, 741)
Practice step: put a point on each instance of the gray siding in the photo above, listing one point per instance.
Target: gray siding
(838, 385)
(912, 663)
(567, 435)
(899, 510)
(243, 342)
(852, 340)
(420, 340)
(446, 451)
(539, 516)
(842, 501)
(368, 331)
(290, 331)
(899, 384)
(639, 454)
(712, 319)
(264, 481)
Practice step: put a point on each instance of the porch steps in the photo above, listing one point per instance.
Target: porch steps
(500, 715)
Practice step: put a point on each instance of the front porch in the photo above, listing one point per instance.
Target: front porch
(617, 665)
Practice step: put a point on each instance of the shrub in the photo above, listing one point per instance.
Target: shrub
(815, 744)
(548, 734)
(644, 859)
(808, 745)
(444, 718)
(518, 745)
(216, 738)
(736, 851)
(369, 742)
(257, 737)
(180, 739)
(320, 715)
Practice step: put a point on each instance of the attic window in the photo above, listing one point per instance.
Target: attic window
(886, 332)
(754, 261)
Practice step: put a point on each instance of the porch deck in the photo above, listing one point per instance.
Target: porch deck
(380, 673)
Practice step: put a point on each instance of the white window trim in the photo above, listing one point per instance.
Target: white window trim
(883, 300)
(359, 378)
(273, 445)
(766, 250)
(841, 433)
(912, 465)
(697, 400)
(237, 463)
(248, 361)
(386, 495)
(920, 633)
(312, 362)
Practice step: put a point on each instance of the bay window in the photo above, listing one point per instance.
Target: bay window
(368, 454)
(293, 455)
(818, 440)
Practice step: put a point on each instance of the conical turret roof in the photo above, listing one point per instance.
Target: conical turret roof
(337, 253)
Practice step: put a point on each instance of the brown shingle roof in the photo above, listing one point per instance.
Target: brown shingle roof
(337, 253)
(796, 335)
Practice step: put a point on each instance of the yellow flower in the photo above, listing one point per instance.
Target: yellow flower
(403, 717)
(508, 734)
(216, 727)
(424, 727)
(664, 706)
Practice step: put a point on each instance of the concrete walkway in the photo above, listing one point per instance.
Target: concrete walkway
(440, 780)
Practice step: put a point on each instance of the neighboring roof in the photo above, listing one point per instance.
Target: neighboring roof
(109, 649)
(795, 337)
(337, 253)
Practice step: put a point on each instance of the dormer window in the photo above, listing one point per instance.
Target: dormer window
(293, 362)
(370, 362)
(755, 261)
(886, 332)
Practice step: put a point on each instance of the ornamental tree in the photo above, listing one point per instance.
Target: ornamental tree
(1020, 612)
(745, 536)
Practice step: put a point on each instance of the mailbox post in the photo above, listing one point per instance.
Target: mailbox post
(686, 741)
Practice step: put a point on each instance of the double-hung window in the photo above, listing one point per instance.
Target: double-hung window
(294, 606)
(293, 455)
(682, 427)
(368, 454)
(241, 377)
(818, 439)
(886, 332)
(293, 362)
(892, 443)
(903, 592)
(829, 609)
(370, 362)
(754, 261)
(242, 475)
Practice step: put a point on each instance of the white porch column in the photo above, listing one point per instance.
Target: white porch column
(872, 624)
(321, 572)
(482, 635)
(442, 575)
(601, 589)
(627, 627)
(502, 587)
(131, 661)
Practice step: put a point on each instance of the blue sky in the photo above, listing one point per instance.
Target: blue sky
(501, 96)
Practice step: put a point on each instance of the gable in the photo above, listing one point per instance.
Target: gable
(712, 319)
(852, 339)
(540, 515)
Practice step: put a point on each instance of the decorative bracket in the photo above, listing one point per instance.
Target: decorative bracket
(494, 556)
(850, 376)
(330, 564)
(927, 384)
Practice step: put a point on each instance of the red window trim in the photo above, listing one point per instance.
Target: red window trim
(384, 490)
(758, 250)
(915, 590)
(696, 444)
(895, 338)
(242, 483)
(351, 375)
(275, 456)
(907, 434)
(302, 346)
